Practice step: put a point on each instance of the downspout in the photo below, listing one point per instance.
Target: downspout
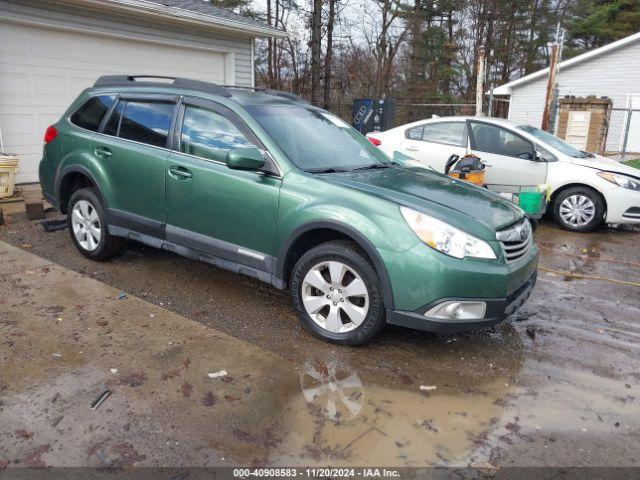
(253, 63)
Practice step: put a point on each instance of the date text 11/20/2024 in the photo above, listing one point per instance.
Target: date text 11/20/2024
(316, 472)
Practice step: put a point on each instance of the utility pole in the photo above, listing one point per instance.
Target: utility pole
(556, 53)
(551, 85)
(490, 107)
(480, 81)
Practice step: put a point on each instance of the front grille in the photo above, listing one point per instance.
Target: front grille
(516, 240)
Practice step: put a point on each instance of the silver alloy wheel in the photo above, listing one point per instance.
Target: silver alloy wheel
(335, 297)
(86, 225)
(577, 210)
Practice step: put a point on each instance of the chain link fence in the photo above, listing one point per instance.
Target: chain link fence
(623, 136)
(412, 112)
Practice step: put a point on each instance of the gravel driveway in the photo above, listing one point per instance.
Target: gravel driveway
(556, 385)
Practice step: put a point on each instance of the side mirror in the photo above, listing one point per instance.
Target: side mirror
(528, 156)
(245, 159)
(539, 156)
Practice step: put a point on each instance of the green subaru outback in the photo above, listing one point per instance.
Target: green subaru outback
(263, 184)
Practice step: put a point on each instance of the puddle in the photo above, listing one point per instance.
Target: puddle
(347, 418)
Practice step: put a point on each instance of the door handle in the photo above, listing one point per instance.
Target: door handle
(179, 173)
(102, 152)
(412, 149)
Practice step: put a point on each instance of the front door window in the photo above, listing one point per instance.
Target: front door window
(510, 158)
(500, 141)
(209, 135)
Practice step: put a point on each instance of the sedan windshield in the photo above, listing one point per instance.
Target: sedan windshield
(317, 141)
(554, 142)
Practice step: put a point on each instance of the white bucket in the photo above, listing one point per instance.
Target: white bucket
(8, 170)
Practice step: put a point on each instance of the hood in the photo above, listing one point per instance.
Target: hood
(456, 202)
(603, 163)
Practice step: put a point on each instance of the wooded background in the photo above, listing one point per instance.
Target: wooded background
(421, 51)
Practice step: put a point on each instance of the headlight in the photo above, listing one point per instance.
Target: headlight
(621, 180)
(445, 238)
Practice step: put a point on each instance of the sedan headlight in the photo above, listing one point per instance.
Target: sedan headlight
(445, 238)
(621, 180)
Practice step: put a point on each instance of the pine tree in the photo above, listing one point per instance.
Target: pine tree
(595, 23)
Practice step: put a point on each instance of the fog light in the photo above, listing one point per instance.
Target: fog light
(458, 310)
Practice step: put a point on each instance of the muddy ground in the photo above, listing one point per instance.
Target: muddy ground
(556, 385)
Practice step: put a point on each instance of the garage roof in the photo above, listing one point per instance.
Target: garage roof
(200, 12)
(507, 87)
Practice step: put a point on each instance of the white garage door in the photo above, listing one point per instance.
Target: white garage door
(43, 69)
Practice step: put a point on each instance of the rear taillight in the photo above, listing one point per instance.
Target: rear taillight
(50, 134)
(375, 141)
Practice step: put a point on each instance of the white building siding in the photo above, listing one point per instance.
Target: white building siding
(49, 53)
(74, 18)
(613, 74)
(527, 103)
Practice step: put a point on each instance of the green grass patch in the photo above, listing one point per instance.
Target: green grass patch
(633, 163)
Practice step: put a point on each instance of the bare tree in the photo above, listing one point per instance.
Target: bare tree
(269, 48)
(329, 53)
(416, 50)
(316, 38)
(385, 36)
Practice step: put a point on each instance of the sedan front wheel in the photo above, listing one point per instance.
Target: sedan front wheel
(579, 209)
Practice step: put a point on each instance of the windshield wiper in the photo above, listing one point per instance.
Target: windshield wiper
(376, 165)
(326, 170)
(341, 169)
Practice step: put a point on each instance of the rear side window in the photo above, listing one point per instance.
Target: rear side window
(415, 133)
(208, 134)
(91, 113)
(451, 133)
(146, 122)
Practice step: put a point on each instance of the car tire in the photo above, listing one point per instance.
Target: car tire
(338, 278)
(579, 209)
(88, 228)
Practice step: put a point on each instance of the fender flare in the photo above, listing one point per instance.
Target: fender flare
(75, 169)
(361, 241)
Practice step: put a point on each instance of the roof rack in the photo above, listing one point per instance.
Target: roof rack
(288, 95)
(148, 81)
(269, 91)
(163, 81)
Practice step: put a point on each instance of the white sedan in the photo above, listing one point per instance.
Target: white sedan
(586, 189)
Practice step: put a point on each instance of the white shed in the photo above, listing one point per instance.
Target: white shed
(50, 50)
(611, 71)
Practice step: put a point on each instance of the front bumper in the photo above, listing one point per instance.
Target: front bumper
(497, 310)
(623, 206)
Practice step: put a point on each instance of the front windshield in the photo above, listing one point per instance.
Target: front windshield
(554, 141)
(315, 140)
